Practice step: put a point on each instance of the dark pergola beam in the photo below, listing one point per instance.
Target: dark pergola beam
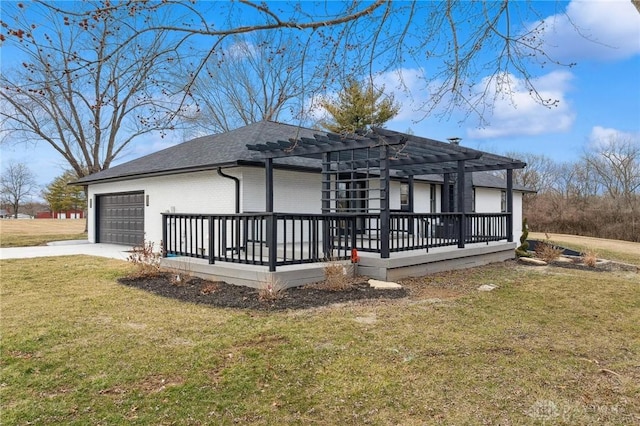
(312, 147)
(400, 163)
(405, 172)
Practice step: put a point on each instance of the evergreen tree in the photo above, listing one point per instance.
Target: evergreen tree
(358, 107)
(523, 249)
(62, 197)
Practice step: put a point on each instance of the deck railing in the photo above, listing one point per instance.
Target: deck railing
(275, 239)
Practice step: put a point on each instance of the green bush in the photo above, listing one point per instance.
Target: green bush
(523, 249)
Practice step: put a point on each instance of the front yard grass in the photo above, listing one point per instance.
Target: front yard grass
(37, 232)
(549, 346)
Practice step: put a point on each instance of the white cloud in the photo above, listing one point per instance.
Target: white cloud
(598, 30)
(409, 89)
(518, 113)
(602, 135)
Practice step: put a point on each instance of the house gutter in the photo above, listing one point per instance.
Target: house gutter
(237, 181)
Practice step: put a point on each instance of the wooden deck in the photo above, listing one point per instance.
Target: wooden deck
(397, 266)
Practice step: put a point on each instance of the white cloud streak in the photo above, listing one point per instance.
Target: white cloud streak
(520, 114)
(601, 30)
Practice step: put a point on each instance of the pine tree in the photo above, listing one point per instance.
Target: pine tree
(358, 107)
(62, 197)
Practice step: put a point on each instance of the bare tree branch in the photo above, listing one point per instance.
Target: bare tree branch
(82, 97)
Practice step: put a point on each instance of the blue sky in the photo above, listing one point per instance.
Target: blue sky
(599, 97)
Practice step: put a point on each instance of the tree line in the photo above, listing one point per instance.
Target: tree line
(18, 185)
(597, 195)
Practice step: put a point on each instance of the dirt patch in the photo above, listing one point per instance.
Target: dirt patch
(601, 266)
(600, 243)
(223, 295)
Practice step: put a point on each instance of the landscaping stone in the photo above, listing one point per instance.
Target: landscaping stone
(564, 259)
(487, 287)
(532, 261)
(384, 285)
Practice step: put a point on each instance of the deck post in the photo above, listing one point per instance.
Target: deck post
(410, 195)
(384, 202)
(211, 241)
(410, 205)
(510, 205)
(326, 202)
(164, 235)
(462, 226)
(272, 236)
(268, 167)
(444, 202)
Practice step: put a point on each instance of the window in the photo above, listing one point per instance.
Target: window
(432, 198)
(473, 200)
(342, 199)
(503, 201)
(404, 196)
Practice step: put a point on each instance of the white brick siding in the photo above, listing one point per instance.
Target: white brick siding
(201, 192)
(294, 192)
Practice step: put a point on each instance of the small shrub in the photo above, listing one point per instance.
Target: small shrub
(209, 288)
(547, 251)
(590, 258)
(271, 291)
(523, 249)
(336, 278)
(145, 259)
(181, 275)
(179, 278)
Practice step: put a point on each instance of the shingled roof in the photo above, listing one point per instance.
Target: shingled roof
(210, 152)
(230, 149)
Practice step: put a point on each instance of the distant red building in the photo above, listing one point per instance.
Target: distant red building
(68, 214)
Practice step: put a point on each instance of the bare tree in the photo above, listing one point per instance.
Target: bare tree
(253, 77)
(16, 183)
(616, 164)
(99, 74)
(540, 174)
(482, 48)
(77, 90)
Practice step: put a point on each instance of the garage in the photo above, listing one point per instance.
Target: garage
(120, 218)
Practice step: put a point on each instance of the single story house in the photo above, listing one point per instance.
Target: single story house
(272, 194)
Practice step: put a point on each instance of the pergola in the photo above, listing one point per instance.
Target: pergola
(348, 160)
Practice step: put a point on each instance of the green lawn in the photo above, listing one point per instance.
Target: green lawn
(550, 346)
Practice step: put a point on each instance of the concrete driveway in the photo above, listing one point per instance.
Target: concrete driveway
(67, 248)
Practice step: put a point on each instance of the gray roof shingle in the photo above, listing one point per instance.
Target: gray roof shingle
(230, 148)
(209, 152)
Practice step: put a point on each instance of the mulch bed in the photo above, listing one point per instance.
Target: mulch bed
(223, 295)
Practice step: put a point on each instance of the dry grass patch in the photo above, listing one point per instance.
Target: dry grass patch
(336, 278)
(270, 291)
(622, 251)
(544, 348)
(590, 257)
(35, 232)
